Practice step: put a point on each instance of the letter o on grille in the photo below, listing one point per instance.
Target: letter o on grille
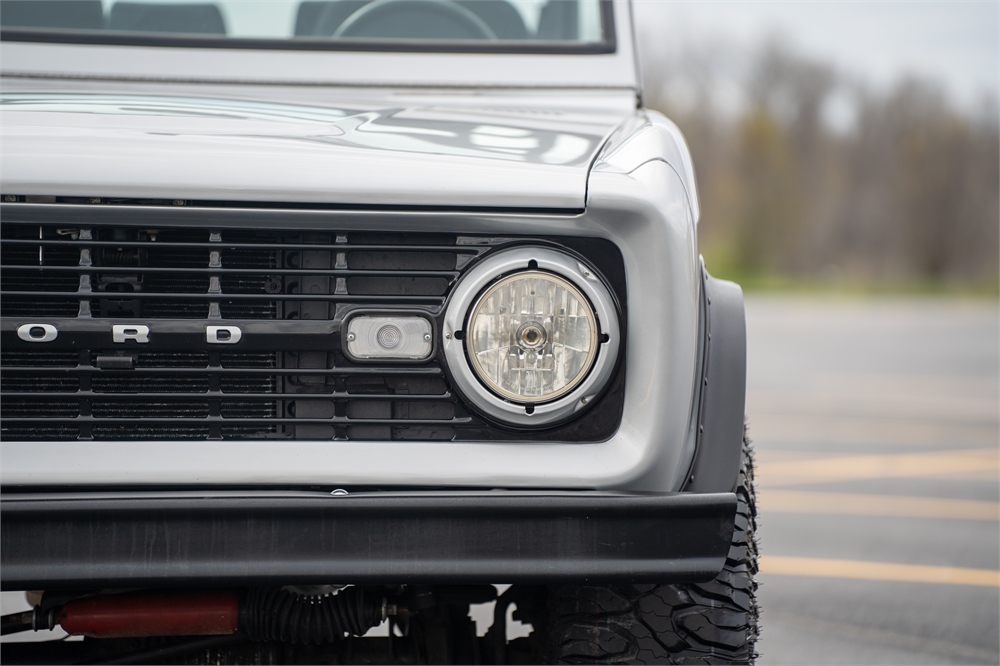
(37, 332)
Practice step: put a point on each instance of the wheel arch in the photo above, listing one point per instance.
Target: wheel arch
(722, 403)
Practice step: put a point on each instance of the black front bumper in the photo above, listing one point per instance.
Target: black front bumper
(102, 540)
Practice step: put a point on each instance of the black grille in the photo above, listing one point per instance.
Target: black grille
(288, 379)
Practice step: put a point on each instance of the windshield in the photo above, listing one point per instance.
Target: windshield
(473, 25)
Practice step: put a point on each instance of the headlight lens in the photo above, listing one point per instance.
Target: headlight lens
(532, 336)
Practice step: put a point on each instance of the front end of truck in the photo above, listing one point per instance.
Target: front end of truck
(287, 357)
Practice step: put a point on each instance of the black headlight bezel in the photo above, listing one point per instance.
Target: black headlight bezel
(602, 416)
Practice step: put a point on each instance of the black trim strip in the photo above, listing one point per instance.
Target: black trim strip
(499, 47)
(722, 408)
(407, 370)
(344, 298)
(262, 539)
(131, 270)
(234, 420)
(229, 245)
(53, 211)
(267, 397)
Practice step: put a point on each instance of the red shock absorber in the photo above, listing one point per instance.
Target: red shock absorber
(152, 614)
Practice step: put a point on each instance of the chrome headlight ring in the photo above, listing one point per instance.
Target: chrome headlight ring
(496, 267)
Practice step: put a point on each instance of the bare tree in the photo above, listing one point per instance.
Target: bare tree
(911, 191)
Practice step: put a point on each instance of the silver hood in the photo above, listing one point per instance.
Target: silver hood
(374, 152)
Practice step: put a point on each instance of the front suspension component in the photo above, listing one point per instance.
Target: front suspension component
(274, 614)
(262, 614)
(151, 614)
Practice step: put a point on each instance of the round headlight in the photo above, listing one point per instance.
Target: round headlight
(532, 337)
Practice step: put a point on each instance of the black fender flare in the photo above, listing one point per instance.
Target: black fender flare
(723, 387)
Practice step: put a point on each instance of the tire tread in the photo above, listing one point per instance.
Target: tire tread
(704, 623)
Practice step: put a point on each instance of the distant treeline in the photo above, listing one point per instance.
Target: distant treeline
(906, 188)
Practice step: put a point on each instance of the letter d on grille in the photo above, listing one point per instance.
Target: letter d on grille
(122, 332)
(223, 335)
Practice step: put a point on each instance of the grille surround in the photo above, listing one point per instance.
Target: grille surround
(289, 378)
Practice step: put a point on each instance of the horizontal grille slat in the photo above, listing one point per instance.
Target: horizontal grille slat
(34, 408)
(41, 305)
(44, 280)
(239, 246)
(39, 359)
(195, 359)
(115, 409)
(38, 382)
(295, 397)
(149, 431)
(288, 290)
(247, 360)
(406, 287)
(229, 271)
(232, 409)
(401, 261)
(241, 257)
(141, 383)
(38, 253)
(174, 283)
(405, 295)
(248, 310)
(359, 370)
(36, 433)
(244, 383)
(155, 309)
(248, 432)
(337, 420)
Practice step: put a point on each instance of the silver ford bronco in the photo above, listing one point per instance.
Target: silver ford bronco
(328, 323)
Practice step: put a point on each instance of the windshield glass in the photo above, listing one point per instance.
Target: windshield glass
(476, 25)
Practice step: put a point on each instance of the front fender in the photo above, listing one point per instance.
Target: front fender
(722, 402)
(650, 136)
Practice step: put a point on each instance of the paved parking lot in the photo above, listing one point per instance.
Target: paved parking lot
(875, 423)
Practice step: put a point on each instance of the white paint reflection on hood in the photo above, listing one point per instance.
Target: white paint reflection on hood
(567, 148)
(509, 139)
(386, 129)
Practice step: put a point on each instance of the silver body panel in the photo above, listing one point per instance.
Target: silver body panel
(192, 143)
(632, 185)
(647, 213)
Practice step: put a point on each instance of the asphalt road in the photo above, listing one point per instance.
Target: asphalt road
(876, 432)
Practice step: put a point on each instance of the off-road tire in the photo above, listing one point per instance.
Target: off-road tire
(704, 623)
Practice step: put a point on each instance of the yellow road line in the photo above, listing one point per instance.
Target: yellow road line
(884, 571)
(846, 468)
(855, 504)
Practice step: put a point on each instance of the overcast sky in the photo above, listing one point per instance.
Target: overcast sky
(956, 43)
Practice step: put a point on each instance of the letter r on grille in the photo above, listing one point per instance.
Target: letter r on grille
(223, 335)
(122, 332)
